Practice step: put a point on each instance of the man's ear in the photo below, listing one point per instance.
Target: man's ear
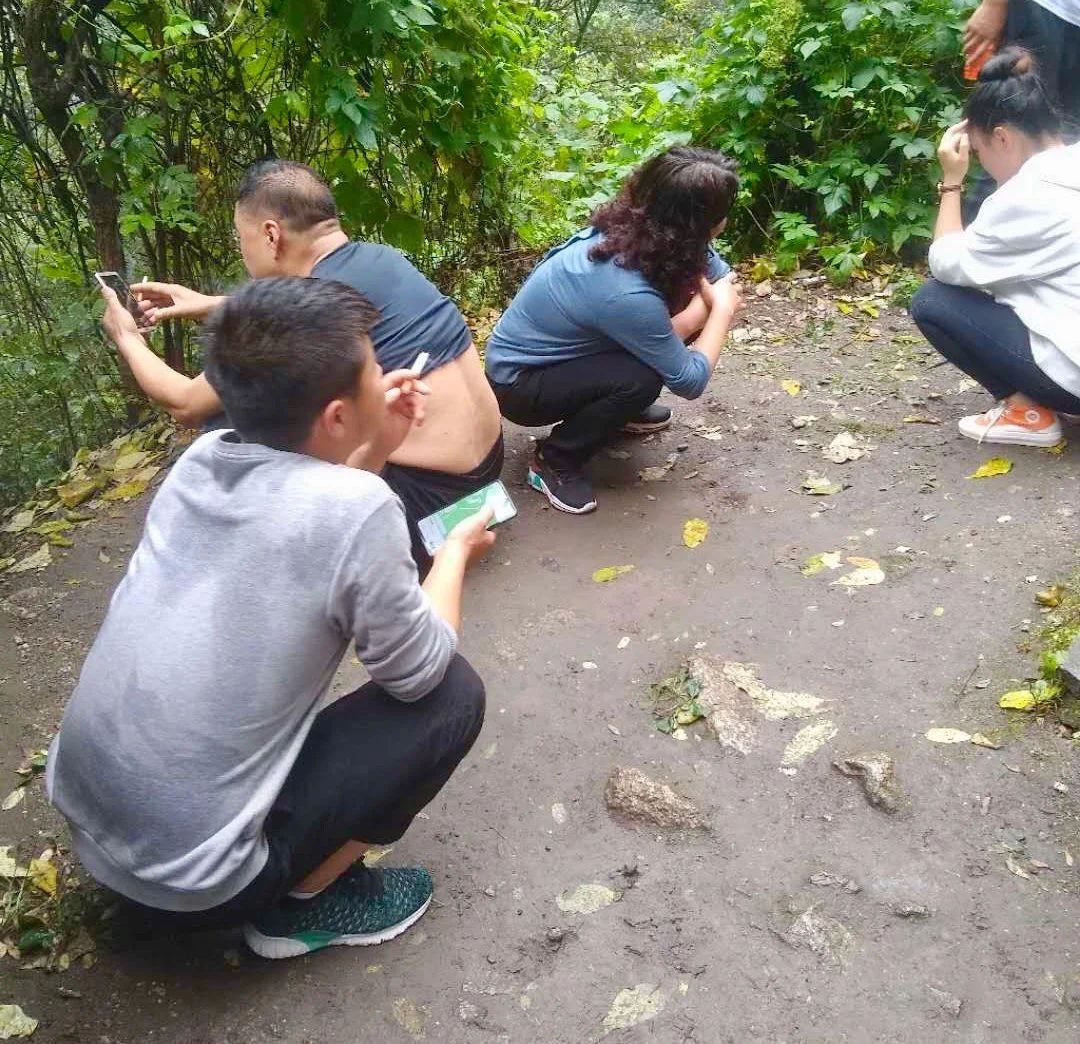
(274, 236)
(332, 419)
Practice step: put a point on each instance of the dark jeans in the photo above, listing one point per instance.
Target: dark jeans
(368, 765)
(589, 399)
(987, 341)
(1056, 46)
(423, 492)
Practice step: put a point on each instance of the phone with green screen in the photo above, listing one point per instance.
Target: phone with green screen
(436, 527)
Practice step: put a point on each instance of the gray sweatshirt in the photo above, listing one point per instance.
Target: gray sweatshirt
(255, 570)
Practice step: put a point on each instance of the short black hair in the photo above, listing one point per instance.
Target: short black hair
(1011, 92)
(280, 349)
(289, 192)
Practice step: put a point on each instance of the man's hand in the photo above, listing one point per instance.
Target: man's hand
(470, 538)
(405, 408)
(117, 320)
(954, 154)
(163, 301)
(984, 28)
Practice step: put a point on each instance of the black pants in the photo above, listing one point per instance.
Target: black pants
(1056, 46)
(987, 341)
(368, 765)
(592, 397)
(423, 492)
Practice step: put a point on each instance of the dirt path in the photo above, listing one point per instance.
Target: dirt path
(715, 922)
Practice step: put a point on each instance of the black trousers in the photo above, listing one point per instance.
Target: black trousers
(590, 399)
(424, 492)
(368, 765)
(1056, 46)
(987, 341)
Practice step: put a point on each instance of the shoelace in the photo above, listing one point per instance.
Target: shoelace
(995, 414)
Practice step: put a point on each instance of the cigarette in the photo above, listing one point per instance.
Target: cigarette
(417, 367)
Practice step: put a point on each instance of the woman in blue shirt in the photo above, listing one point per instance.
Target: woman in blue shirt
(601, 324)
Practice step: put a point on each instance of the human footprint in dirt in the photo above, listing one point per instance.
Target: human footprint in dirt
(602, 323)
(199, 774)
(1004, 303)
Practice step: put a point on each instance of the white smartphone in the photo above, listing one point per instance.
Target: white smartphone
(436, 527)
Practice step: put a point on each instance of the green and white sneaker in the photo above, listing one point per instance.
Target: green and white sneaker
(363, 907)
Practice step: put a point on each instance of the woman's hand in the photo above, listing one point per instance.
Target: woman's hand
(984, 28)
(726, 294)
(163, 301)
(117, 320)
(954, 154)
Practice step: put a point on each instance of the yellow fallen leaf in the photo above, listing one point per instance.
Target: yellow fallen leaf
(1019, 699)
(820, 562)
(13, 799)
(921, 419)
(1058, 448)
(20, 521)
(694, 531)
(844, 307)
(43, 875)
(793, 388)
(134, 488)
(609, 573)
(1050, 598)
(982, 740)
(14, 1022)
(867, 573)
(41, 558)
(994, 466)
(948, 736)
(130, 461)
(78, 490)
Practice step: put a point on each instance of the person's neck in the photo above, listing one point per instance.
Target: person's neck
(1036, 145)
(322, 245)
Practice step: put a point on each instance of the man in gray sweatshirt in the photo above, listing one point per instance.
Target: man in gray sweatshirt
(199, 773)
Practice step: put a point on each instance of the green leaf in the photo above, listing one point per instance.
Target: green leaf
(852, 15)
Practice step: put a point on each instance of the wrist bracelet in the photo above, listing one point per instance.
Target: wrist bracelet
(942, 188)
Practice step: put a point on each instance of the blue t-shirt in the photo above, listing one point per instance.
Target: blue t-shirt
(571, 307)
(415, 316)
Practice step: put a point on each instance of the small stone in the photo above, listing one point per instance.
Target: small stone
(947, 1002)
(489, 892)
(878, 776)
(629, 792)
(471, 1014)
(1061, 788)
(911, 911)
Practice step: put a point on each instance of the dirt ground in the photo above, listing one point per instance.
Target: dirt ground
(801, 914)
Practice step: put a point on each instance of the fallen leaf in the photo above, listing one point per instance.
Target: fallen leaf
(948, 736)
(921, 420)
(587, 899)
(1016, 868)
(56, 540)
(763, 289)
(374, 856)
(58, 525)
(802, 421)
(609, 573)
(994, 466)
(793, 388)
(1058, 448)
(78, 490)
(13, 799)
(1050, 598)
(808, 741)
(146, 474)
(982, 740)
(410, 1016)
(43, 874)
(694, 532)
(645, 1001)
(41, 558)
(1018, 699)
(130, 461)
(939, 610)
(843, 448)
(820, 562)
(102, 557)
(867, 573)
(127, 491)
(624, 642)
(1038, 864)
(14, 1022)
(819, 485)
(20, 521)
(1068, 858)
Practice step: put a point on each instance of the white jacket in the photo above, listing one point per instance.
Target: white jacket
(1024, 248)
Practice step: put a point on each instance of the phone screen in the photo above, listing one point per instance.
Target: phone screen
(115, 282)
(435, 528)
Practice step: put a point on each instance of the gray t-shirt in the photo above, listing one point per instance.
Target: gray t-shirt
(255, 570)
(571, 306)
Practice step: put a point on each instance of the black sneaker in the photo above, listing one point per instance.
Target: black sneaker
(567, 490)
(655, 418)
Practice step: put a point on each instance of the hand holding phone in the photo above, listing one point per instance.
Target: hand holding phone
(435, 529)
(115, 282)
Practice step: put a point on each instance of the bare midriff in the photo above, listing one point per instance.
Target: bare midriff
(462, 421)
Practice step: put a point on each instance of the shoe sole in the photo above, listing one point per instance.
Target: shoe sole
(278, 947)
(1015, 438)
(645, 429)
(537, 483)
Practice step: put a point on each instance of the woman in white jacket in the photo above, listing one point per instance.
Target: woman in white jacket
(1004, 303)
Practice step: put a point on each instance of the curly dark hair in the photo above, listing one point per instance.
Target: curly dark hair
(664, 217)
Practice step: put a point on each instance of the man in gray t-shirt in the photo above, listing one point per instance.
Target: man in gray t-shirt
(200, 777)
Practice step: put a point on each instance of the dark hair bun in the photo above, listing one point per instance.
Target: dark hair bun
(1012, 61)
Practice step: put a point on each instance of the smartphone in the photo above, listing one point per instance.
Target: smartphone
(435, 528)
(115, 282)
